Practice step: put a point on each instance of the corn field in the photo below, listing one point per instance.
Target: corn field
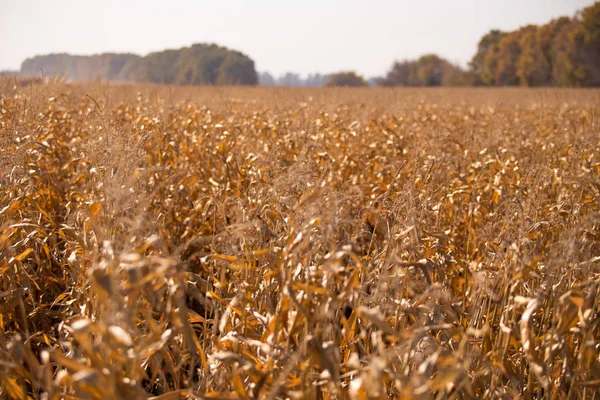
(271, 243)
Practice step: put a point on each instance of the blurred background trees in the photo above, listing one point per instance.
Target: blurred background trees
(199, 64)
(563, 52)
(346, 78)
(487, 47)
(428, 70)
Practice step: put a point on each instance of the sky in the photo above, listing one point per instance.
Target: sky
(303, 36)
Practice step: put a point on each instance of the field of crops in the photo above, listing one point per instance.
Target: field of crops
(298, 243)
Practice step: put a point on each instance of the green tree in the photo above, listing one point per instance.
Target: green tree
(402, 73)
(200, 64)
(346, 78)
(428, 70)
(236, 69)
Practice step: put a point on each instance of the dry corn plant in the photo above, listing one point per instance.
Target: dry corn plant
(273, 243)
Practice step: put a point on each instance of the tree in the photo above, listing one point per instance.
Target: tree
(509, 51)
(587, 45)
(200, 64)
(428, 70)
(346, 78)
(237, 69)
(402, 73)
(488, 44)
(533, 69)
(490, 62)
(161, 67)
(563, 52)
(546, 42)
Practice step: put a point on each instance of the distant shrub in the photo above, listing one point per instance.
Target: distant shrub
(346, 78)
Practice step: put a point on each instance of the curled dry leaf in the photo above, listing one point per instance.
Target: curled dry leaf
(170, 242)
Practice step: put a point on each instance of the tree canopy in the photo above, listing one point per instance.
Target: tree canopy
(346, 78)
(563, 52)
(428, 70)
(199, 64)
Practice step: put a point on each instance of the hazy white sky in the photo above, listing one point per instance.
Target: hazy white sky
(302, 36)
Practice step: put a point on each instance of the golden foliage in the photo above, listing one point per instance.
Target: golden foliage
(280, 243)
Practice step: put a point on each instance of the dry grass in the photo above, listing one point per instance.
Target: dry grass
(280, 243)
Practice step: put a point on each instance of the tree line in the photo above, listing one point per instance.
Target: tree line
(199, 64)
(563, 52)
